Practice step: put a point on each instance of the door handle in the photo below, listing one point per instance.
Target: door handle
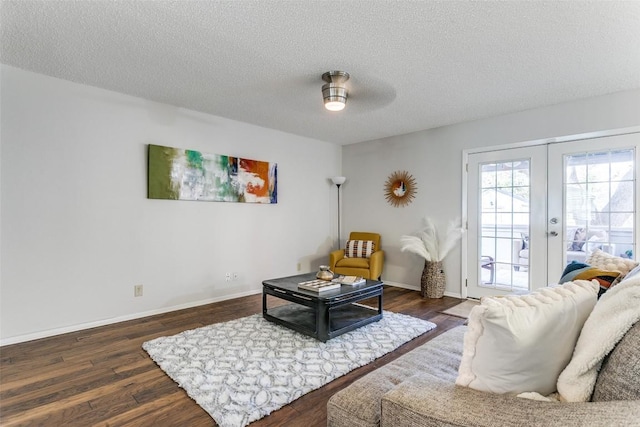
(553, 233)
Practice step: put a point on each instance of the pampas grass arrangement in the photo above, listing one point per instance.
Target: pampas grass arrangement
(427, 245)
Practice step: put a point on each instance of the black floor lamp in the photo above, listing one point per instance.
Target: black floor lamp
(338, 181)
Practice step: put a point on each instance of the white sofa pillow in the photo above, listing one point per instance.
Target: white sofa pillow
(519, 344)
(610, 262)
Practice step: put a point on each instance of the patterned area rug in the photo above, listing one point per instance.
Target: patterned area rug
(242, 370)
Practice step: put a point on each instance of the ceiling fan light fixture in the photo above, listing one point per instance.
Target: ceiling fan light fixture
(335, 105)
(334, 92)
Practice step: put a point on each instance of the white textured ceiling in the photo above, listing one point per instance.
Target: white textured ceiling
(414, 64)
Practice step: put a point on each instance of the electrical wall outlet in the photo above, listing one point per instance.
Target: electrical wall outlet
(137, 291)
(227, 277)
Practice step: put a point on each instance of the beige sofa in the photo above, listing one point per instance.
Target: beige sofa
(418, 389)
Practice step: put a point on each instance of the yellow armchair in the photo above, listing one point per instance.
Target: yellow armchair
(369, 268)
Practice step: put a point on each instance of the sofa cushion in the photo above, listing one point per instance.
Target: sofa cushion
(359, 248)
(426, 401)
(519, 344)
(619, 376)
(353, 263)
(616, 312)
(576, 239)
(610, 262)
(632, 273)
(359, 404)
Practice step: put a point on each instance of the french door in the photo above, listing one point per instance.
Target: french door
(594, 203)
(507, 198)
(533, 210)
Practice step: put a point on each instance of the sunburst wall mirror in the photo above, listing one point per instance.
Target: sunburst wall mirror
(400, 189)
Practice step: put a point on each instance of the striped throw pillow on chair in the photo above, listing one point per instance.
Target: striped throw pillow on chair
(359, 248)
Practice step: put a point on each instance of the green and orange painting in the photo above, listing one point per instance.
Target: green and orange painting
(179, 174)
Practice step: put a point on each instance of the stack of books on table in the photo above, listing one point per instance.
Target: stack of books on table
(350, 280)
(318, 285)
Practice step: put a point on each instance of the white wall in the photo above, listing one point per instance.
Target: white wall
(434, 158)
(78, 231)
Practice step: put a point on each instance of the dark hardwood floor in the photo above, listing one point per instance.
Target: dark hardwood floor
(103, 377)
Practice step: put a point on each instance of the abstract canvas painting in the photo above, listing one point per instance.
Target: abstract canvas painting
(180, 174)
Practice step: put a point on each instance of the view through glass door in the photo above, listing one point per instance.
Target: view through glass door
(596, 208)
(533, 210)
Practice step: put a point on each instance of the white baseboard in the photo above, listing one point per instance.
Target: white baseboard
(104, 322)
(402, 285)
(453, 295)
(417, 288)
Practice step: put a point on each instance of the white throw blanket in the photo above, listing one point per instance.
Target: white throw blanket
(615, 313)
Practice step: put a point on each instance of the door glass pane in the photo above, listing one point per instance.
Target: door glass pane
(599, 212)
(504, 225)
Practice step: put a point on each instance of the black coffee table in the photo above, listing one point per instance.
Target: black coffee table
(323, 315)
